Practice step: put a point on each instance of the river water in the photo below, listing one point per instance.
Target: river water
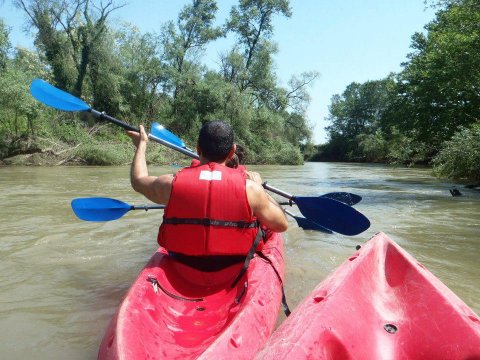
(62, 279)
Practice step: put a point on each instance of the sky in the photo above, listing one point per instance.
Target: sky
(343, 40)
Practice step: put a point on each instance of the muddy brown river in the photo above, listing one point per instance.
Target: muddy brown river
(61, 279)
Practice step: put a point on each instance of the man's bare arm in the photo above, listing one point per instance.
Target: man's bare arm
(156, 189)
(265, 208)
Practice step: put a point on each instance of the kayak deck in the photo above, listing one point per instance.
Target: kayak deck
(173, 311)
(379, 304)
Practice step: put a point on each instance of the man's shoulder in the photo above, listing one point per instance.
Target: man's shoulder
(166, 179)
(254, 190)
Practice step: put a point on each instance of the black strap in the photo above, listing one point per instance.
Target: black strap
(209, 263)
(251, 253)
(210, 222)
(286, 309)
(155, 282)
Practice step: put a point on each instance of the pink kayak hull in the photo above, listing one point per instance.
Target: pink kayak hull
(226, 323)
(379, 304)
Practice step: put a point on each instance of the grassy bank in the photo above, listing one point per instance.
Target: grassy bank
(67, 140)
(46, 137)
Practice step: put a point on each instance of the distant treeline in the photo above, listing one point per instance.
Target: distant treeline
(429, 113)
(147, 77)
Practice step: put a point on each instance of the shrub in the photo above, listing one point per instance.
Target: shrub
(459, 157)
(405, 150)
(275, 152)
(372, 147)
(105, 154)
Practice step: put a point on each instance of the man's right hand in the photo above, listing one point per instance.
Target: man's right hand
(138, 138)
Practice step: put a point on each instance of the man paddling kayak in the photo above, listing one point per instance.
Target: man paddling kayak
(189, 302)
(212, 211)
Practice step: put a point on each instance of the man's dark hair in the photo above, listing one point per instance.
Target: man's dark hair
(215, 140)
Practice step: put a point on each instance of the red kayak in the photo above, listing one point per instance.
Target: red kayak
(173, 311)
(380, 304)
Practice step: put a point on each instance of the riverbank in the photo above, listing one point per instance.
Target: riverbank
(66, 139)
(40, 151)
(98, 146)
(458, 160)
(46, 152)
(79, 146)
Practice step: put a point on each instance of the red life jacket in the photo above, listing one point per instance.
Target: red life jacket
(208, 213)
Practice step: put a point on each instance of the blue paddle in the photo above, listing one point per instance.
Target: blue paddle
(304, 223)
(105, 209)
(166, 135)
(331, 214)
(61, 100)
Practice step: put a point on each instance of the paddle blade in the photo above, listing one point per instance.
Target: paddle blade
(161, 132)
(344, 197)
(332, 215)
(99, 209)
(306, 224)
(56, 98)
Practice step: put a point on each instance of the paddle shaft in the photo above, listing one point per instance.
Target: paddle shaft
(103, 116)
(344, 197)
(290, 213)
(278, 191)
(147, 207)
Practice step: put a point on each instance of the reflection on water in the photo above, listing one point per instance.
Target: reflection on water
(62, 279)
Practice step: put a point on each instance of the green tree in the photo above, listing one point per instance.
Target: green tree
(5, 44)
(459, 157)
(69, 33)
(106, 77)
(251, 21)
(373, 146)
(280, 113)
(439, 87)
(145, 77)
(18, 110)
(194, 30)
(17, 105)
(358, 115)
(183, 44)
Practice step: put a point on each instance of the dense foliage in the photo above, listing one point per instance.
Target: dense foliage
(431, 109)
(460, 156)
(150, 77)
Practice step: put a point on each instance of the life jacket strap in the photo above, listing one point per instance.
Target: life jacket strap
(210, 222)
(286, 309)
(260, 236)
